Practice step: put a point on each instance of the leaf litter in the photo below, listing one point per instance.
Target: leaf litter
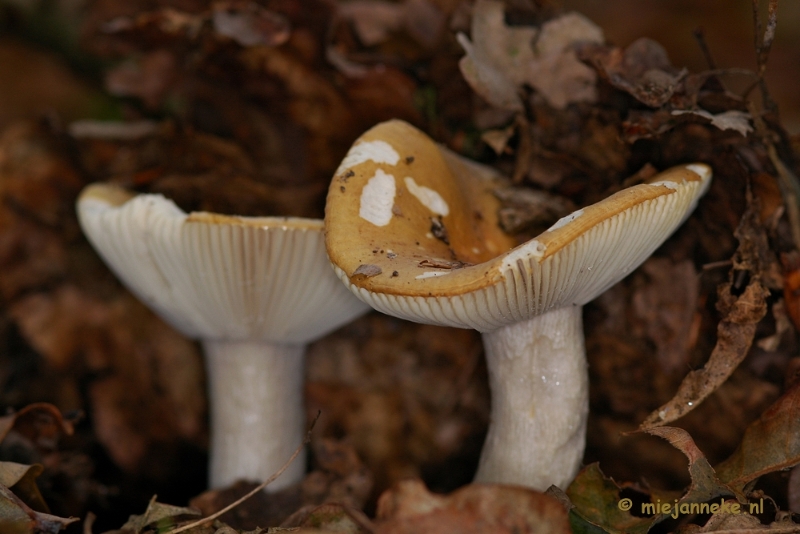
(249, 107)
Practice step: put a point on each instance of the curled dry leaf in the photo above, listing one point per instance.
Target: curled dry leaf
(643, 70)
(41, 423)
(501, 59)
(735, 334)
(409, 507)
(705, 486)
(17, 518)
(21, 479)
(771, 443)
(727, 120)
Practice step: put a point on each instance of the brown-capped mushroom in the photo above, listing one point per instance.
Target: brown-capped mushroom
(411, 229)
(255, 291)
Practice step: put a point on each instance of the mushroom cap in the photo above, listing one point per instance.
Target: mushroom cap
(411, 229)
(215, 276)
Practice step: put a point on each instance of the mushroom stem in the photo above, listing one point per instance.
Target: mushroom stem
(257, 414)
(539, 385)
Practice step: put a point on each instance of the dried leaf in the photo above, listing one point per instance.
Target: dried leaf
(41, 423)
(735, 334)
(705, 483)
(409, 508)
(21, 479)
(373, 21)
(162, 514)
(367, 270)
(333, 517)
(783, 325)
(741, 523)
(727, 120)
(501, 59)
(249, 24)
(150, 78)
(494, 53)
(597, 504)
(793, 492)
(771, 443)
(643, 70)
(498, 138)
(557, 73)
(17, 518)
(791, 285)
(524, 209)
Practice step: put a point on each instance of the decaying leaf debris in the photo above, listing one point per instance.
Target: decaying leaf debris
(247, 108)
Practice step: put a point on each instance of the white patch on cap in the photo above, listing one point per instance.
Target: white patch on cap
(703, 171)
(429, 198)
(377, 199)
(431, 274)
(532, 249)
(563, 221)
(666, 183)
(377, 151)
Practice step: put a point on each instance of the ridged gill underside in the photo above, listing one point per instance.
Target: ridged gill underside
(219, 277)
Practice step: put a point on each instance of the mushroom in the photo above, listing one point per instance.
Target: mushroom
(411, 229)
(254, 291)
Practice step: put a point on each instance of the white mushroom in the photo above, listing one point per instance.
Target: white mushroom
(255, 291)
(455, 267)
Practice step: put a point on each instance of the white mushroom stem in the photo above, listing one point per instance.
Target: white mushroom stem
(257, 414)
(539, 385)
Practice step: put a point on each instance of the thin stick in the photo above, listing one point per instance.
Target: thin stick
(255, 490)
(700, 37)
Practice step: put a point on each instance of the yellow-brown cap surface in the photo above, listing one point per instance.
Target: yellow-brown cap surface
(411, 229)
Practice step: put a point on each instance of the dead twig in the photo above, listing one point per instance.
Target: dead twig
(700, 37)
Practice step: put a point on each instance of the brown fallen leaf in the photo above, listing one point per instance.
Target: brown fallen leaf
(735, 332)
(330, 517)
(524, 209)
(21, 479)
(706, 485)
(771, 443)
(249, 24)
(409, 508)
(596, 504)
(41, 423)
(159, 514)
(643, 70)
(17, 518)
(727, 120)
(500, 58)
(739, 523)
(375, 21)
(149, 78)
(791, 285)
(734, 336)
